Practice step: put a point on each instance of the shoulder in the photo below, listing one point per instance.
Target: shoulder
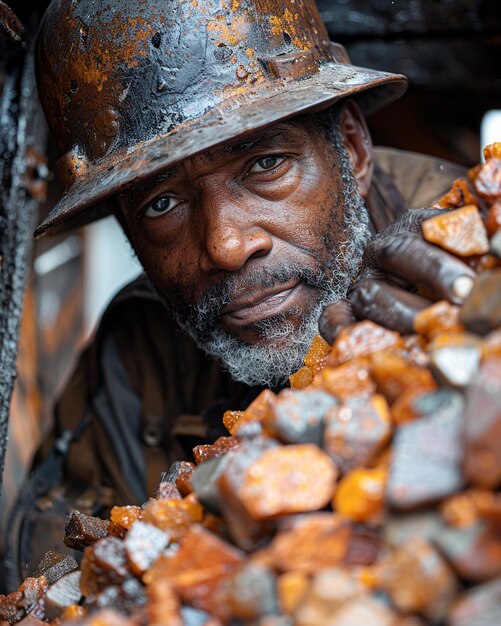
(420, 179)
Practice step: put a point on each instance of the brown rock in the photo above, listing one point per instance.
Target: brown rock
(346, 381)
(83, 530)
(488, 180)
(54, 566)
(418, 580)
(440, 317)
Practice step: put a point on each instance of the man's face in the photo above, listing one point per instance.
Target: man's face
(247, 242)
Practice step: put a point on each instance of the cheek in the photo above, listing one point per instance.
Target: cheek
(165, 265)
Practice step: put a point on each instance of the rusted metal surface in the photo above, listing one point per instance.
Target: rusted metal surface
(131, 88)
(22, 141)
(11, 31)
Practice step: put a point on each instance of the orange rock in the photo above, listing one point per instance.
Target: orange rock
(257, 410)
(230, 419)
(347, 380)
(315, 357)
(298, 548)
(292, 587)
(493, 221)
(418, 580)
(492, 150)
(173, 516)
(461, 232)
(440, 317)
(220, 446)
(403, 409)
(163, 606)
(196, 570)
(458, 196)
(360, 340)
(488, 180)
(301, 379)
(73, 612)
(125, 516)
(360, 495)
(394, 375)
(286, 480)
(461, 510)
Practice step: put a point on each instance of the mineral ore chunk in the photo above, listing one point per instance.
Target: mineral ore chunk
(287, 480)
(481, 311)
(458, 196)
(330, 590)
(126, 516)
(493, 222)
(315, 356)
(482, 463)
(82, 530)
(425, 465)
(440, 317)
(298, 416)
(27, 599)
(474, 552)
(360, 340)
(356, 431)
(292, 587)
(301, 379)
(201, 564)
(143, 545)
(230, 419)
(455, 365)
(461, 231)
(347, 380)
(488, 180)
(219, 447)
(251, 592)
(360, 495)
(257, 410)
(246, 531)
(54, 566)
(62, 594)
(164, 606)
(296, 547)
(418, 580)
(394, 374)
(480, 606)
(104, 564)
(172, 516)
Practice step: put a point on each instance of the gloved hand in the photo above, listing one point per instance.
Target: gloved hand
(398, 262)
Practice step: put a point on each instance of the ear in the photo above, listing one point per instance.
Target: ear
(358, 143)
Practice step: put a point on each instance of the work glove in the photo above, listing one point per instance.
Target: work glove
(400, 275)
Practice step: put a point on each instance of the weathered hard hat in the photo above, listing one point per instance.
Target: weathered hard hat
(130, 87)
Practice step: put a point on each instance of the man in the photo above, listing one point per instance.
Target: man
(228, 140)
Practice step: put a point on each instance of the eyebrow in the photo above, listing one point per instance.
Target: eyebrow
(267, 137)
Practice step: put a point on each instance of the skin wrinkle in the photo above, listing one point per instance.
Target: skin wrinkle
(326, 259)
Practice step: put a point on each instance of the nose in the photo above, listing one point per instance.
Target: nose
(231, 238)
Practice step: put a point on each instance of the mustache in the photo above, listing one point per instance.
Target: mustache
(212, 301)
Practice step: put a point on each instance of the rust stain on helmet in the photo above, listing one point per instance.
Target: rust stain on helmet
(131, 86)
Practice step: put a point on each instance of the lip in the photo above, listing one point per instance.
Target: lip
(265, 304)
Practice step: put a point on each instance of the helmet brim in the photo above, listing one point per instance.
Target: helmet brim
(85, 201)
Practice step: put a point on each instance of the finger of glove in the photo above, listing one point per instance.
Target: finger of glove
(386, 305)
(334, 317)
(417, 262)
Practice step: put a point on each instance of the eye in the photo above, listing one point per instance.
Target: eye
(266, 163)
(161, 206)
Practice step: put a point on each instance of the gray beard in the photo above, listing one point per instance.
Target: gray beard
(283, 344)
